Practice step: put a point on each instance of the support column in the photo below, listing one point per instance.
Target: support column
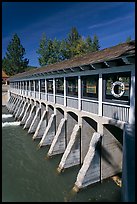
(34, 88)
(90, 170)
(100, 90)
(26, 88)
(29, 89)
(65, 92)
(132, 99)
(54, 91)
(79, 92)
(46, 90)
(39, 88)
(128, 165)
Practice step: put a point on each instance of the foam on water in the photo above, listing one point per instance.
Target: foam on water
(5, 124)
(7, 115)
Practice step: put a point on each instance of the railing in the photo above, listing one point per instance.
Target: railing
(60, 99)
(42, 96)
(89, 106)
(50, 97)
(72, 102)
(116, 111)
(37, 94)
(110, 110)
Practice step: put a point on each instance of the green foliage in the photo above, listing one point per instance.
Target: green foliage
(95, 44)
(52, 51)
(14, 62)
(49, 51)
(128, 39)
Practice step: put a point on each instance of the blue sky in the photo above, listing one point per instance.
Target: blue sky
(112, 22)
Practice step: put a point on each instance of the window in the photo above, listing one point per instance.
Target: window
(72, 86)
(117, 87)
(60, 86)
(22, 83)
(90, 86)
(36, 85)
(50, 85)
(42, 85)
(27, 85)
(32, 85)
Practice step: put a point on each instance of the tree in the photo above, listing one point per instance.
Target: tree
(42, 51)
(49, 51)
(95, 44)
(52, 51)
(14, 62)
(128, 39)
(89, 45)
(72, 41)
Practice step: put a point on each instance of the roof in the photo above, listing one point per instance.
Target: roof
(4, 75)
(90, 58)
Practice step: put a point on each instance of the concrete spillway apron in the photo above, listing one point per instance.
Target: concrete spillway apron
(58, 143)
(41, 126)
(90, 170)
(49, 132)
(35, 121)
(70, 157)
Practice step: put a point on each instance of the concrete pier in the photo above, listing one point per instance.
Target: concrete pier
(71, 156)
(90, 170)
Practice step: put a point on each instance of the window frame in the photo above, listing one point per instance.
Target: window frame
(56, 90)
(94, 96)
(67, 86)
(111, 98)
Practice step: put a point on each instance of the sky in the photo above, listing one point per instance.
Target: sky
(112, 22)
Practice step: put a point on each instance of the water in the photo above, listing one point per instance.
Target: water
(28, 176)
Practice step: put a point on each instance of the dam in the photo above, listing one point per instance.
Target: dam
(79, 108)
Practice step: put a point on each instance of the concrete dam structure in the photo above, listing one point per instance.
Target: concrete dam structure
(79, 108)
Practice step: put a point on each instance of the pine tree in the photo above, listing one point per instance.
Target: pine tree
(72, 41)
(89, 45)
(95, 44)
(52, 51)
(128, 39)
(42, 51)
(14, 61)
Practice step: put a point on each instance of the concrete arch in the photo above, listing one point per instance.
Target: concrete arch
(59, 116)
(72, 120)
(93, 117)
(31, 101)
(60, 110)
(43, 104)
(113, 131)
(50, 110)
(89, 126)
(50, 107)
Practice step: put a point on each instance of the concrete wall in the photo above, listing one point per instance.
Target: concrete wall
(72, 120)
(89, 126)
(111, 151)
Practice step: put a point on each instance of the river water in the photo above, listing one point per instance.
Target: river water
(28, 176)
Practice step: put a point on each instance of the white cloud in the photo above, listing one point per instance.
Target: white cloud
(118, 20)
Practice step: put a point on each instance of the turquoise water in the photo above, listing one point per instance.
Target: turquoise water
(28, 176)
